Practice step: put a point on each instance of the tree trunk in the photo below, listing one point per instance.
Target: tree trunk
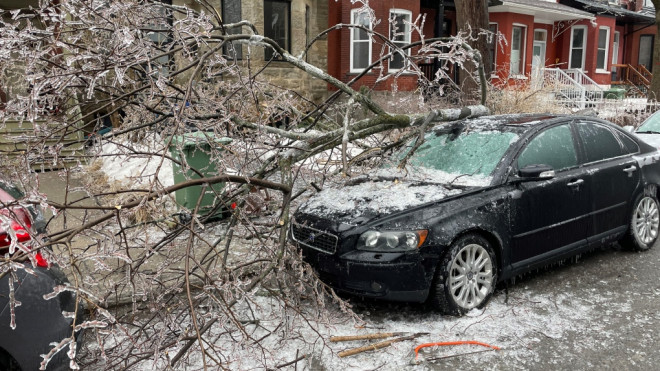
(654, 89)
(473, 14)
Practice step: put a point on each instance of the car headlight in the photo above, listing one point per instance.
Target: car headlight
(391, 240)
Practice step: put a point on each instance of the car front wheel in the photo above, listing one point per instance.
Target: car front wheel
(466, 277)
(644, 224)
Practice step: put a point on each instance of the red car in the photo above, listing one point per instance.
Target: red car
(28, 322)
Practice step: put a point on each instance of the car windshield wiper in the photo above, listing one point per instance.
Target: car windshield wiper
(367, 178)
(416, 183)
(647, 132)
(444, 185)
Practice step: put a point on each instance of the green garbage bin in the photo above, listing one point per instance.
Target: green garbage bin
(195, 147)
(615, 93)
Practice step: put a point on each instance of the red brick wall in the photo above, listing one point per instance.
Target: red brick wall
(631, 53)
(557, 51)
(505, 23)
(341, 50)
(600, 77)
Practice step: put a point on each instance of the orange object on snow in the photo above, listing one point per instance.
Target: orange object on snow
(445, 343)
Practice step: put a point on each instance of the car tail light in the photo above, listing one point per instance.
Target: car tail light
(22, 235)
(41, 262)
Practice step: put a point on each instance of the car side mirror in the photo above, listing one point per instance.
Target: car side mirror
(536, 172)
(629, 128)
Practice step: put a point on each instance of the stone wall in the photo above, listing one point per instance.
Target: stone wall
(278, 73)
(281, 73)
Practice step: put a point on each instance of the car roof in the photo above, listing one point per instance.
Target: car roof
(517, 123)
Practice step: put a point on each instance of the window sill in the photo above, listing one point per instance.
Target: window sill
(518, 77)
(603, 72)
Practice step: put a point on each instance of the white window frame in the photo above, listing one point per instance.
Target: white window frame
(584, 47)
(607, 50)
(354, 14)
(615, 47)
(407, 34)
(523, 50)
(545, 44)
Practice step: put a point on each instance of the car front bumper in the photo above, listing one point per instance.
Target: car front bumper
(388, 276)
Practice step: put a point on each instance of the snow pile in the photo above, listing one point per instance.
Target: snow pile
(120, 162)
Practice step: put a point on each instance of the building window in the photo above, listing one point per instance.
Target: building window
(603, 49)
(400, 35)
(277, 25)
(492, 45)
(646, 51)
(518, 51)
(360, 41)
(578, 43)
(161, 39)
(231, 13)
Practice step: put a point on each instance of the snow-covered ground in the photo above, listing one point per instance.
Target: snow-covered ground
(598, 313)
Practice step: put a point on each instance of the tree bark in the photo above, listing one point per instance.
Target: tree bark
(472, 16)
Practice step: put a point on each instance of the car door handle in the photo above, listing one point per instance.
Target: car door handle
(630, 170)
(575, 183)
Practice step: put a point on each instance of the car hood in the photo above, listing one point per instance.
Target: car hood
(365, 198)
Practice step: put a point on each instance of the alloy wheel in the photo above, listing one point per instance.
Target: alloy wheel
(646, 220)
(471, 276)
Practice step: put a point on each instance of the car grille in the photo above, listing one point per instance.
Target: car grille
(314, 238)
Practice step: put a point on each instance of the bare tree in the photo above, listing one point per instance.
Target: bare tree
(472, 16)
(159, 285)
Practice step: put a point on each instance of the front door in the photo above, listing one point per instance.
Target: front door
(538, 62)
(550, 216)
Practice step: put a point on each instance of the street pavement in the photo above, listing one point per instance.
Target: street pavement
(615, 292)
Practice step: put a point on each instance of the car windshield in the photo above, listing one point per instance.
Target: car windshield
(652, 124)
(468, 153)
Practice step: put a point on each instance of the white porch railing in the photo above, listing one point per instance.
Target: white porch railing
(586, 81)
(571, 87)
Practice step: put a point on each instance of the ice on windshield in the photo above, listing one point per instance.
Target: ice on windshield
(470, 153)
(651, 124)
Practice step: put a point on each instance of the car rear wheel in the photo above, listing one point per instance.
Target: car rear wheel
(644, 224)
(466, 276)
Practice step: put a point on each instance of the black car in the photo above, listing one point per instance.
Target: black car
(36, 322)
(480, 201)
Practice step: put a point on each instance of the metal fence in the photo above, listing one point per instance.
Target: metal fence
(624, 112)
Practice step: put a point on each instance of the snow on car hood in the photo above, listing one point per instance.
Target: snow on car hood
(385, 191)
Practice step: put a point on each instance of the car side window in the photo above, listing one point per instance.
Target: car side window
(629, 145)
(553, 147)
(599, 142)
